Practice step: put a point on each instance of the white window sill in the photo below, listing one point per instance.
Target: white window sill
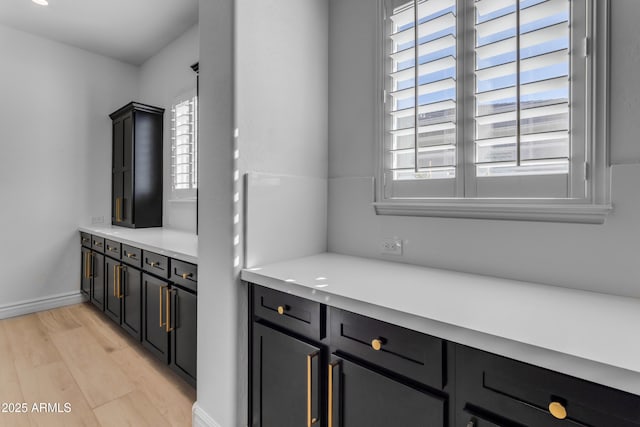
(185, 200)
(572, 213)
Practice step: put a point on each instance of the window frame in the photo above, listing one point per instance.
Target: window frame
(593, 208)
(183, 194)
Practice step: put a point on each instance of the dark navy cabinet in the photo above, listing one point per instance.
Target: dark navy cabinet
(314, 365)
(136, 200)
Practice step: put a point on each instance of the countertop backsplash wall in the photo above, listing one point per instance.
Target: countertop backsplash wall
(601, 258)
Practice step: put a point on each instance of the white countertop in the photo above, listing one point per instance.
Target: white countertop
(585, 334)
(172, 243)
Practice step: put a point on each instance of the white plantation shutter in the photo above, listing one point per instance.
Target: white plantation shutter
(421, 78)
(514, 128)
(523, 92)
(184, 145)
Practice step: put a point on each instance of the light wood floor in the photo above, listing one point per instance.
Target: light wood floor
(75, 354)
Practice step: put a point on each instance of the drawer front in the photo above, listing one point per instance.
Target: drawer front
(507, 392)
(131, 255)
(97, 244)
(408, 353)
(155, 264)
(112, 248)
(184, 274)
(307, 318)
(85, 239)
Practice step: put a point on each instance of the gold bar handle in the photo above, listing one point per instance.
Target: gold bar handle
(86, 265)
(115, 275)
(120, 282)
(118, 205)
(90, 265)
(154, 263)
(161, 322)
(310, 420)
(185, 276)
(168, 327)
(330, 403)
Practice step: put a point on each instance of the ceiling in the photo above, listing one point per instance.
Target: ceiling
(128, 30)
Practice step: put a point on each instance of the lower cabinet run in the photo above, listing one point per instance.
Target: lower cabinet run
(155, 301)
(314, 365)
(348, 371)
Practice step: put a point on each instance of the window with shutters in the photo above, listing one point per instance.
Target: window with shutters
(494, 108)
(184, 147)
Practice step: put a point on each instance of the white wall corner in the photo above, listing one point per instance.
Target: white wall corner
(201, 418)
(41, 304)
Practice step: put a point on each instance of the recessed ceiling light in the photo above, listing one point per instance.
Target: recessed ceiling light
(41, 2)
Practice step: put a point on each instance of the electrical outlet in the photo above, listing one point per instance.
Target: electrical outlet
(391, 246)
(97, 220)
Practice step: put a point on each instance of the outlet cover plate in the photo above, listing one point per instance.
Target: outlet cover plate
(391, 246)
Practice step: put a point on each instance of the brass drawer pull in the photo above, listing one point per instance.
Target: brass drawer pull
(185, 276)
(155, 264)
(558, 410)
(377, 343)
(310, 419)
(118, 209)
(131, 255)
(160, 310)
(168, 327)
(91, 258)
(119, 282)
(115, 279)
(282, 309)
(98, 244)
(86, 265)
(330, 408)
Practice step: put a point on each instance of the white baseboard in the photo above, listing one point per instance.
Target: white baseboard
(41, 304)
(201, 419)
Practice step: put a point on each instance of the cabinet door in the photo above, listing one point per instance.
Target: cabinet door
(127, 171)
(116, 175)
(132, 300)
(112, 285)
(85, 281)
(358, 396)
(285, 381)
(97, 281)
(183, 322)
(155, 336)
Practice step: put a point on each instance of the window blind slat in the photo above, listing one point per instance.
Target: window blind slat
(529, 15)
(527, 40)
(487, 7)
(425, 29)
(528, 64)
(425, 89)
(427, 68)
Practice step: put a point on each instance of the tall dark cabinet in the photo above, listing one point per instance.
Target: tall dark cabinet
(136, 196)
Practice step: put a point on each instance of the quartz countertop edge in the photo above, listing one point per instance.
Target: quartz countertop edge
(164, 241)
(585, 334)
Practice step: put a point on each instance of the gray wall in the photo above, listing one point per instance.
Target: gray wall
(56, 158)
(163, 78)
(218, 333)
(276, 87)
(593, 257)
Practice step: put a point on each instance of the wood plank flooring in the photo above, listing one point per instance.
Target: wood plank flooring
(76, 355)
